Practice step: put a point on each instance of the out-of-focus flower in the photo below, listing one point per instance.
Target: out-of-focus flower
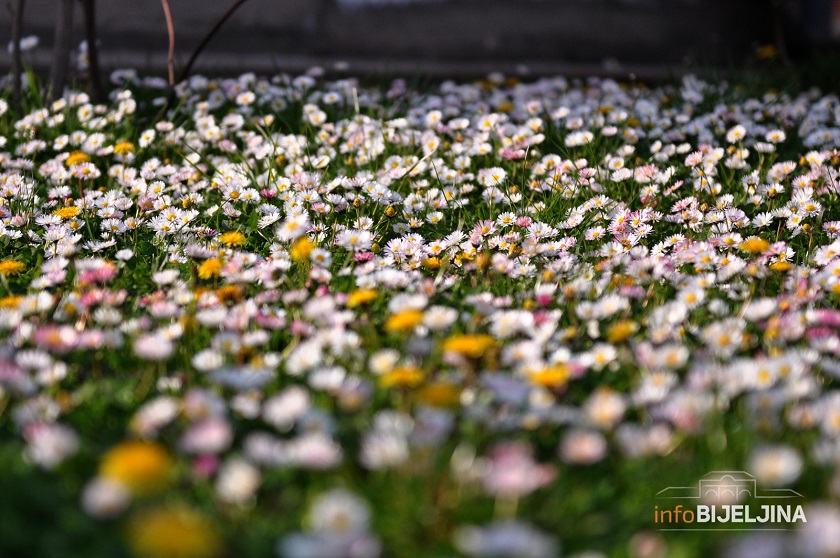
(103, 497)
(339, 512)
(512, 472)
(512, 539)
(142, 467)
(211, 267)
(472, 346)
(775, 465)
(237, 481)
(582, 447)
(232, 238)
(153, 347)
(818, 537)
(48, 444)
(11, 267)
(360, 297)
(210, 436)
(172, 532)
(26, 43)
(403, 321)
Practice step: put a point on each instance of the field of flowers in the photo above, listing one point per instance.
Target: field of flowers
(309, 319)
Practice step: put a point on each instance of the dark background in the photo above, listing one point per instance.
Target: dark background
(644, 37)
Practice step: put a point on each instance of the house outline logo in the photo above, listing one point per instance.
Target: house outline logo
(727, 486)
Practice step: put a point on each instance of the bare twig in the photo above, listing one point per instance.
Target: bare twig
(206, 40)
(17, 64)
(170, 28)
(61, 50)
(93, 50)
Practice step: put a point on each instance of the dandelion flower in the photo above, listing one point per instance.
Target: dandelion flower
(77, 158)
(754, 245)
(440, 394)
(11, 267)
(232, 238)
(124, 148)
(473, 346)
(67, 212)
(142, 467)
(551, 376)
(408, 376)
(172, 533)
(361, 296)
(210, 268)
(300, 249)
(621, 330)
(403, 321)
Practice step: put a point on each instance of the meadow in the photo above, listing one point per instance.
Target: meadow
(309, 318)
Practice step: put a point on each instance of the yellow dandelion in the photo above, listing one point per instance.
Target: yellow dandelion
(432, 264)
(229, 293)
(172, 533)
(361, 296)
(232, 238)
(440, 394)
(142, 467)
(11, 267)
(780, 265)
(403, 321)
(472, 346)
(754, 245)
(210, 268)
(77, 158)
(67, 212)
(409, 376)
(124, 147)
(10, 301)
(621, 330)
(300, 249)
(552, 376)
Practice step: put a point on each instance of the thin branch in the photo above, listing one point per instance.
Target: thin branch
(17, 64)
(170, 28)
(204, 42)
(61, 49)
(93, 50)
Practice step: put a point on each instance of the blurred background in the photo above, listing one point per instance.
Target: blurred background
(647, 38)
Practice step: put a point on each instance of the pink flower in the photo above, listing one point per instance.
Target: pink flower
(207, 437)
(512, 471)
(511, 154)
(59, 339)
(827, 317)
(205, 465)
(153, 347)
(301, 328)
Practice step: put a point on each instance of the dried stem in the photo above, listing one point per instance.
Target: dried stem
(206, 40)
(170, 29)
(201, 46)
